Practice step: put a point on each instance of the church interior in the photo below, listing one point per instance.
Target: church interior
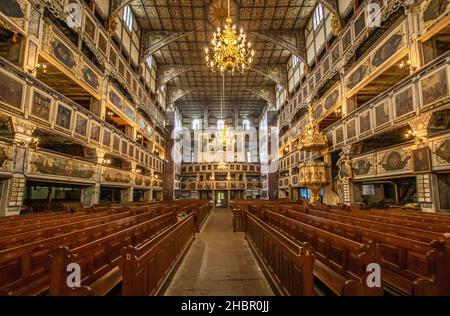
(224, 148)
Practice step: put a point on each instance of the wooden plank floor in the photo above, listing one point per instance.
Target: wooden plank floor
(219, 263)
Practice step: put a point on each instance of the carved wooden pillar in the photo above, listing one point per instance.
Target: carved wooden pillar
(22, 142)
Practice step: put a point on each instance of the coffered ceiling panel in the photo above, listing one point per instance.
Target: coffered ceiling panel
(201, 17)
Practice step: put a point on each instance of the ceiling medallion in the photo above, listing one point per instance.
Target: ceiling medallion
(229, 51)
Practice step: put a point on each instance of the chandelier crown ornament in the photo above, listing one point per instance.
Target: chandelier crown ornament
(230, 51)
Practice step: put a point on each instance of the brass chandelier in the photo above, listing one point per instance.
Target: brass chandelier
(224, 134)
(229, 49)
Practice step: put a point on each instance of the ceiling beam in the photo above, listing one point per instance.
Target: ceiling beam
(168, 72)
(294, 42)
(277, 73)
(267, 93)
(152, 41)
(176, 93)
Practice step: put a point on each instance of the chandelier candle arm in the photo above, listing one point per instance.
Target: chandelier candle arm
(230, 51)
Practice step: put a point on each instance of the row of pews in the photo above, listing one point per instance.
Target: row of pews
(121, 249)
(411, 248)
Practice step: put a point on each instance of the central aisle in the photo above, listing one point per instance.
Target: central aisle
(220, 263)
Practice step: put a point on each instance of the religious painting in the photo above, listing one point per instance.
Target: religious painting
(116, 143)
(331, 99)
(81, 125)
(89, 76)
(102, 43)
(382, 113)
(362, 167)
(326, 64)
(89, 27)
(35, 17)
(121, 68)
(116, 176)
(357, 76)
(32, 54)
(6, 127)
(44, 164)
(106, 138)
(346, 40)
(351, 129)
(95, 132)
(128, 111)
(335, 54)
(131, 150)
(115, 99)
(387, 50)
(330, 139)
(318, 112)
(112, 56)
(124, 147)
(305, 90)
(339, 135)
(63, 54)
(11, 91)
(311, 84)
(442, 151)
(128, 77)
(440, 120)
(434, 9)
(15, 10)
(434, 87)
(364, 122)
(359, 24)
(11, 8)
(404, 102)
(394, 160)
(41, 106)
(63, 116)
(318, 75)
(421, 160)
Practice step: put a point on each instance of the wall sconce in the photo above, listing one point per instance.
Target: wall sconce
(404, 64)
(138, 171)
(338, 111)
(106, 161)
(138, 137)
(38, 67)
(109, 114)
(33, 141)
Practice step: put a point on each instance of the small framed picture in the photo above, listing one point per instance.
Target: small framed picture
(421, 161)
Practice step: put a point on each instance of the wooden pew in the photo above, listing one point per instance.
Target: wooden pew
(24, 270)
(341, 263)
(99, 260)
(147, 267)
(16, 240)
(410, 266)
(289, 264)
(402, 222)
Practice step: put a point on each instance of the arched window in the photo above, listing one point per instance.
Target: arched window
(318, 16)
(246, 124)
(295, 61)
(149, 61)
(128, 17)
(195, 124)
(220, 124)
(249, 156)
